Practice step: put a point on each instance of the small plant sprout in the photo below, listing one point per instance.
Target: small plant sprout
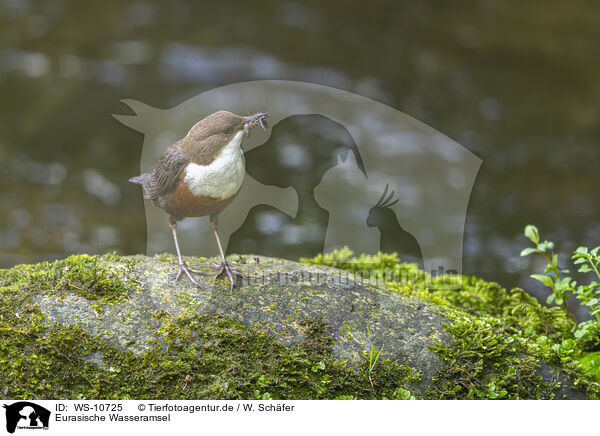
(562, 284)
(373, 358)
(553, 278)
(589, 261)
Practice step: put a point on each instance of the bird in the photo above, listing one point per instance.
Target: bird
(396, 238)
(200, 175)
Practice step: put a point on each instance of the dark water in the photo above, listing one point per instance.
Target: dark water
(517, 83)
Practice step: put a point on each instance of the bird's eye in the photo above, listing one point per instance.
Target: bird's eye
(229, 130)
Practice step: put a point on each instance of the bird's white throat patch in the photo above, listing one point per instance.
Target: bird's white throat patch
(223, 177)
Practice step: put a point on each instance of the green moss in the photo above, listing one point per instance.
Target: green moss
(382, 266)
(83, 275)
(501, 357)
(500, 336)
(194, 357)
(590, 363)
(484, 363)
(519, 312)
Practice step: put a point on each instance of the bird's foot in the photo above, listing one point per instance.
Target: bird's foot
(223, 268)
(184, 268)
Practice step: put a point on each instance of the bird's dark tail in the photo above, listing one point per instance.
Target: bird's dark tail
(141, 179)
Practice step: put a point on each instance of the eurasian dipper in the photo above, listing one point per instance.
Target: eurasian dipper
(200, 175)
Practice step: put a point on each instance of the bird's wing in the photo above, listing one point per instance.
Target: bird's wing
(166, 173)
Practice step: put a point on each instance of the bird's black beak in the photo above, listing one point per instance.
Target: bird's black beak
(259, 119)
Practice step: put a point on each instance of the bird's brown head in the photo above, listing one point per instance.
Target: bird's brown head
(204, 141)
(225, 125)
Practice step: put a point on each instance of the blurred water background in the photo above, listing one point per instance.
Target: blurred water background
(516, 83)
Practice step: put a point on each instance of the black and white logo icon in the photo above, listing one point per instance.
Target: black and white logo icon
(26, 415)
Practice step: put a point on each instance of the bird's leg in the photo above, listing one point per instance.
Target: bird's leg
(183, 267)
(224, 266)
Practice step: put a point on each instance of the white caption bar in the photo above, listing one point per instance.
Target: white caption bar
(154, 417)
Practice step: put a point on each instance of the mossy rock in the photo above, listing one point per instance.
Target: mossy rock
(121, 327)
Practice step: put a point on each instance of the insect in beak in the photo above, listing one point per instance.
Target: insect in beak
(259, 119)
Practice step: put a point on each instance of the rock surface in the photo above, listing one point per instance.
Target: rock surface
(120, 327)
(275, 295)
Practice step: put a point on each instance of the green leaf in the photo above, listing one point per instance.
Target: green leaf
(528, 251)
(544, 279)
(581, 250)
(531, 232)
(584, 268)
(563, 284)
(545, 246)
